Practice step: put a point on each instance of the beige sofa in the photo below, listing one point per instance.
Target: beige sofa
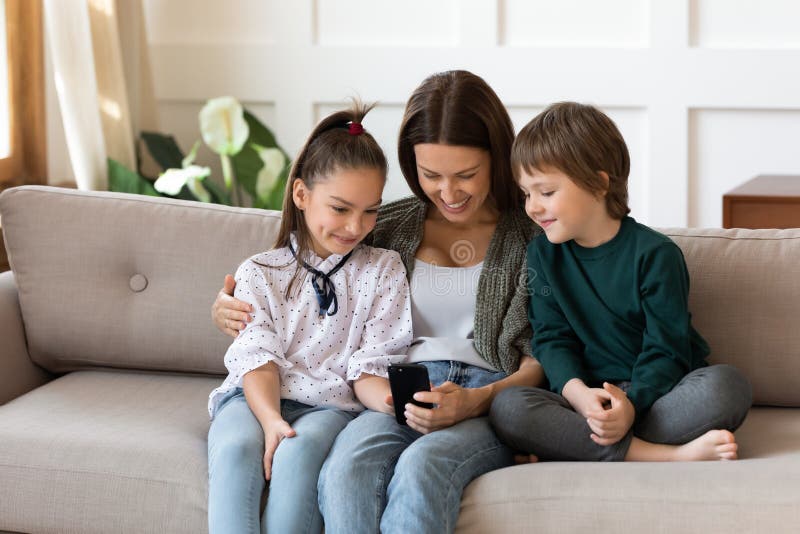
(107, 355)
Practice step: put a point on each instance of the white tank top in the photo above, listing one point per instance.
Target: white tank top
(443, 314)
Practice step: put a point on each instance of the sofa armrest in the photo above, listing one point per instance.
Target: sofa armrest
(18, 374)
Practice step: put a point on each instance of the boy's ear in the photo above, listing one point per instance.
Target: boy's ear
(300, 194)
(606, 182)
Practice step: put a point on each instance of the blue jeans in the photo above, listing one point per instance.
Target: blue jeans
(236, 468)
(381, 476)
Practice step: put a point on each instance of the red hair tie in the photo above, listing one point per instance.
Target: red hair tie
(355, 128)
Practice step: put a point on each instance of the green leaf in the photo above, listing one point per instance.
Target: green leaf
(123, 180)
(164, 149)
(218, 194)
(247, 163)
(259, 133)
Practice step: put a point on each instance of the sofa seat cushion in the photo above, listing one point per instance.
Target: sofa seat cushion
(102, 451)
(758, 493)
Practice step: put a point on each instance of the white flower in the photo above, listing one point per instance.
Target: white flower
(274, 161)
(223, 126)
(172, 181)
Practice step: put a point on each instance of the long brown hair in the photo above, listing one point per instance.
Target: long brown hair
(459, 108)
(329, 148)
(578, 140)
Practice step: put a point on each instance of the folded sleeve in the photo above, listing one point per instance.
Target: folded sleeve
(387, 331)
(259, 343)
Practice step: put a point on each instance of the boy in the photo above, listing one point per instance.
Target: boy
(609, 309)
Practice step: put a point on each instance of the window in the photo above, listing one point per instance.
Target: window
(23, 155)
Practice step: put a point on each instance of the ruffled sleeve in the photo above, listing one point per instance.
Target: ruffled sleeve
(387, 332)
(259, 343)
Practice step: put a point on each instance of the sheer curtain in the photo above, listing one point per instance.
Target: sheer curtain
(103, 82)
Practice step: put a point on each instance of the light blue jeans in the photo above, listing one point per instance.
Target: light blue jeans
(381, 476)
(236, 468)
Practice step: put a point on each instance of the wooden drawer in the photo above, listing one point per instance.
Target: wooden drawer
(763, 202)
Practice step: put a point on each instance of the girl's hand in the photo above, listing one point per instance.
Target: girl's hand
(452, 404)
(611, 425)
(229, 314)
(274, 433)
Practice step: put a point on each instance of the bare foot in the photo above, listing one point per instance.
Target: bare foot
(713, 445)
(525, 458)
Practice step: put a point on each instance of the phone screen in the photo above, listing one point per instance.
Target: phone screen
(406, 379)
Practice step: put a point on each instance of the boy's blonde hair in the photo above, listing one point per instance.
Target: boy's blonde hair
(580, 141)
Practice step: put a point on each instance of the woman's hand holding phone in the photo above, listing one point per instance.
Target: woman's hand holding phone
(453, 405)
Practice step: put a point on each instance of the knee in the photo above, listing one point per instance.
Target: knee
(730, 390)
(505, 410)
(235, 450)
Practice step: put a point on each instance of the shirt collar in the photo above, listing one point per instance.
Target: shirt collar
(317, 262)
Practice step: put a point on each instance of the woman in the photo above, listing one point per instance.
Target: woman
(462, 238)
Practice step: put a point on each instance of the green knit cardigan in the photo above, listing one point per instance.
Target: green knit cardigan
(502, 330)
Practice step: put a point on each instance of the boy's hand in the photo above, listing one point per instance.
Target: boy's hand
(610, 425)
(273, 435)
(583, 399)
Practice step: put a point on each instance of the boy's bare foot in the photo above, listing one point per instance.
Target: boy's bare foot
(713, 445)
(525, 458)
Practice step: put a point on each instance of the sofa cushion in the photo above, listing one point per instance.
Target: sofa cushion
(758, 493)
(106, 451)
(108, 279)
(745, 300)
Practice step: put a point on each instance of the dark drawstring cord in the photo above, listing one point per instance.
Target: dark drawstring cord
(323, 287)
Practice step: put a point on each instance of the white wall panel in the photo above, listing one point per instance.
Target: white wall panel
(746, 23)
(383, 122)
(386, 22)
(728, 147)
(574, 23)
(210, 21)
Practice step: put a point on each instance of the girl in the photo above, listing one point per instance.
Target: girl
(464, 229)
(328, 314)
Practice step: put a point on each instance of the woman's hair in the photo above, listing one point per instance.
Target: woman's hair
(338, 142)
(580, 141)
(459, 108)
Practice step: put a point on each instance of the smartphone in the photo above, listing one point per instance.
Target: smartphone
(405, 379)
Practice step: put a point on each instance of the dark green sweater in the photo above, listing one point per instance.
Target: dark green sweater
(617, 312)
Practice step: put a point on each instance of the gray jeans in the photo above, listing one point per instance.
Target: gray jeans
(537, 421)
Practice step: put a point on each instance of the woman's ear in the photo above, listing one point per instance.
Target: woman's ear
(606, 182)
(300, 194)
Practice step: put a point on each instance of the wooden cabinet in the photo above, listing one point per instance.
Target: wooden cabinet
(763, 202)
